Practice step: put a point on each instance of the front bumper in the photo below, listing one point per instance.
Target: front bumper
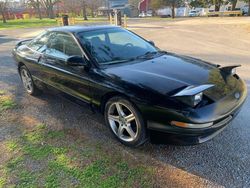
(190, 136)
(212, 113)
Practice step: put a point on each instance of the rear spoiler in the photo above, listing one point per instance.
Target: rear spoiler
(193, 90)
(228, 69)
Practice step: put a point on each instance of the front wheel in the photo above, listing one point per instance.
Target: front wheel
(28, 82)
(125, 122)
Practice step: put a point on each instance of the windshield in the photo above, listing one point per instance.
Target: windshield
(115, 45)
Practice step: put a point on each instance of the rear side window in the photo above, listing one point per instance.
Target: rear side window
(40, 42)
(56, 47)
(62, 46)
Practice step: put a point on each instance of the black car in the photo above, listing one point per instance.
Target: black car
(134, 84)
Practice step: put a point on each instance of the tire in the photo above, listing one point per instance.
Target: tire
(28, 82)
(126, 124)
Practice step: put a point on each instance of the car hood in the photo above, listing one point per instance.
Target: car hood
(168, 73)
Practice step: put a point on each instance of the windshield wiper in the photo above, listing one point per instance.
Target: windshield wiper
(117, 61)
(147, 55)
(162, 52)
(150, 55)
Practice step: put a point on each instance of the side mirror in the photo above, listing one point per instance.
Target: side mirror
(76, 61)
(151, 42)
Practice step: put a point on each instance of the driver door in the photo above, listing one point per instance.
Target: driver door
(71, 80)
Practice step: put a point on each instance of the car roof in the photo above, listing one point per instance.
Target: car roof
(80, 28)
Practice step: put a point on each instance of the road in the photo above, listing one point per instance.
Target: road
(223, 161)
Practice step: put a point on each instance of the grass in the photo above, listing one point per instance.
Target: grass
(30, 23)
(41, 157)
(6, 102)
(27, 23)
(52, 158)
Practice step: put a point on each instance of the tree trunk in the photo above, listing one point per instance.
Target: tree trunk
(4, 19)
(2, 12)
(84, 12)
(47, 12)
(234, 4)
(173, 11)
(51, 12)
(217, 5)
(248, 8)
(39, 12)
(92, 12)
(217, 8)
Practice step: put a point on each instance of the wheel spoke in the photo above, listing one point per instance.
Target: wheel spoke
(120, 131)
(24, 74)
(130, 118)
(114, 118)
(24, 83)
(27, 81)
(29, 85)
(130, 131)
(119, 109)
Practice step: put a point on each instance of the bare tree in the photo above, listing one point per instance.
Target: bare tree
(36, 4)
(171, 3)
(84, 9)
(71, 6)
(3, 9)
(49, 5)
(93, 5)
(217, 4)
(233, 2)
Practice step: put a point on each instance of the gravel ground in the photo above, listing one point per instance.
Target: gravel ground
(223, 161)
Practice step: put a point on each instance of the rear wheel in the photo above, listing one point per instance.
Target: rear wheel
(125, 122)
(28, 82)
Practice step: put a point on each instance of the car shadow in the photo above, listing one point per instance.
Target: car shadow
(4, 39)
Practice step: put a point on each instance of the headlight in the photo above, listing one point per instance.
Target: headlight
(192, 95)
(191, 100)
(198, 98)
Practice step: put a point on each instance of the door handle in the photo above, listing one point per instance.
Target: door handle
(39, 58)
(50, 61)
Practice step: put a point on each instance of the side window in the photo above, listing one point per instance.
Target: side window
(62, 46)
(56, 47)
(40, 42)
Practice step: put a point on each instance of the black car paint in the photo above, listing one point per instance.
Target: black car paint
(149, 84)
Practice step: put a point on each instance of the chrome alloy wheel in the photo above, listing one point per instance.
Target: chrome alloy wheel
(27, 81)
(123, 122)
